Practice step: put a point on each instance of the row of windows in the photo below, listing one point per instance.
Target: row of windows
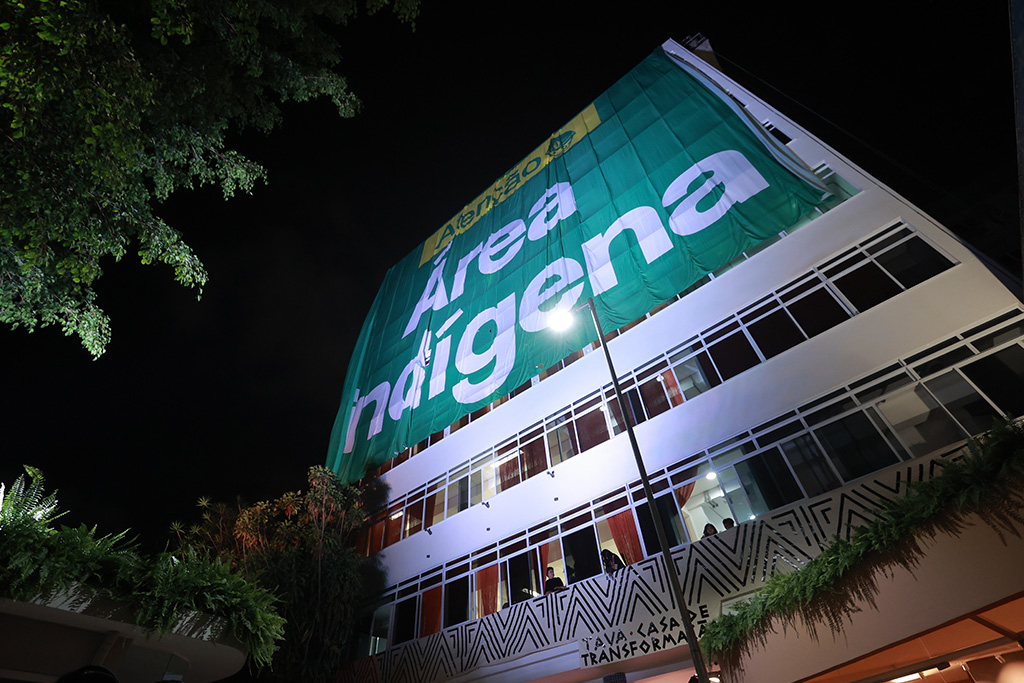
(855, 280)
(841, 191)
(928, 402)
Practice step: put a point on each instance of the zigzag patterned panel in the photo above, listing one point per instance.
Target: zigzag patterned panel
(723, 567)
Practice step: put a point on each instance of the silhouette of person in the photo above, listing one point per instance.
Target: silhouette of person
(610, 561)
(553, 584)
(709, 530)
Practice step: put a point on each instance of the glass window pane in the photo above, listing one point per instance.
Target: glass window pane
(1001, 378)
(855, 446)
(631, 397)
(582, 559)
(669, 519)
(405, 621)
(562, 443)
(696, 375)
(458, 496)
(817, 312)
(532, 458)
(507, 468)
(767, 481)
(475, 488)
(376, 537)
(554, 566)
(618, 535)
(695, 501)
(653, 394)
(810, 465)
(867, 286)
(522, 577)
(1000, 336)
(913, 261)
(413, 519)
(456, 601)
(919, 421)
(775, 333)
(974, 413)
(379, 628)
(434, 509)
(592, 429)
(430, 612)
(733, 355)
(737, 505)
(487, 591)
(393, 526)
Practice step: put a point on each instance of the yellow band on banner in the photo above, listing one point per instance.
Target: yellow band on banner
(558, 144)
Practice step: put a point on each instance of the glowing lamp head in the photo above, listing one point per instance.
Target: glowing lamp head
(560, 320)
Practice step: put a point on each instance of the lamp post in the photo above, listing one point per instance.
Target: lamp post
(673, 579)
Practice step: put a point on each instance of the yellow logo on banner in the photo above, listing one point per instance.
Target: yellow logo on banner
(555, 146)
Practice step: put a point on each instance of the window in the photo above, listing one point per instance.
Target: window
(670, 519)
(434, 509)
(430, 612)
(393, 526)
(523, 581)
(775, 333)
(618, 534)
(379, 628)
(487, 592)
(696, 375)
(855, 446)
(811, 467)
(1001, 378)
(817, 312)
(733, 355)
(919, 421)
(867, 286)
(767, 481)
(413, 519)
(582, 559)
(405, 621)
(456, 601)
(533, 460)
(592, 429)
(458, 496)
(968, 408)
(913, 262)
(562, 442)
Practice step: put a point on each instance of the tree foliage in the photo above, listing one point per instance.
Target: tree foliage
(108, 107)
(300, 547)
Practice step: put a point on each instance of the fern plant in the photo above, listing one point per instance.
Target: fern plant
(27, 503)
(37, 560)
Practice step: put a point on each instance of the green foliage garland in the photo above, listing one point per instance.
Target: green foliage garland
(37, 560)
(987, 481)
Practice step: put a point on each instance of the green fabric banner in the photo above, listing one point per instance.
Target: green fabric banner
(660, 181)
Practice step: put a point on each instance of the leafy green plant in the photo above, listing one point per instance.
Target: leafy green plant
(300, 547)
(26, 503)
(38, 560)
(987, 481)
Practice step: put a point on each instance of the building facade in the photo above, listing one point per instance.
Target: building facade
(790, 390)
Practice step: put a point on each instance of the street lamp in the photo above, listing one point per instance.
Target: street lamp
(559, 322)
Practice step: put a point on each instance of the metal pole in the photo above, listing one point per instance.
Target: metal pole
(673, 578)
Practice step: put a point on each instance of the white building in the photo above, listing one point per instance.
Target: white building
(792, 390)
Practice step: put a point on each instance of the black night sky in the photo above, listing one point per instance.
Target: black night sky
(236, 394)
